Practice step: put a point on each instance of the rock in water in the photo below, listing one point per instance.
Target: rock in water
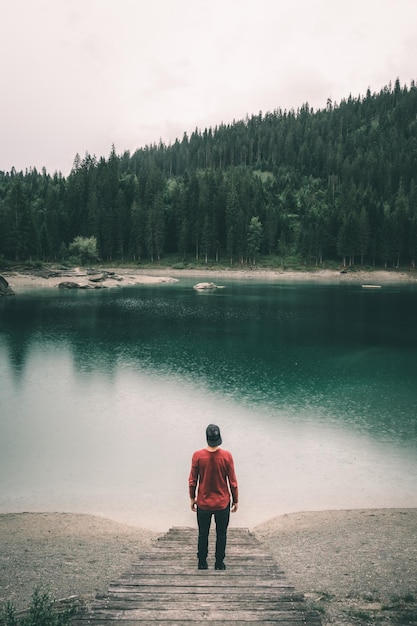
(199, 286)
(5, 290)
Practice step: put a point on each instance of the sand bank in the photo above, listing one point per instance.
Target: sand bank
(120, 277)
(350, 564)
(99, 278)
(70, 554)
(314, 275)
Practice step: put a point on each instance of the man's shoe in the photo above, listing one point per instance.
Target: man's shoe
(221, 566)
(202, 564)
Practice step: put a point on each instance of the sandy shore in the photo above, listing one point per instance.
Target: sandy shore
(349, 564)
(119, 277)
(99, 278)
(69, 554)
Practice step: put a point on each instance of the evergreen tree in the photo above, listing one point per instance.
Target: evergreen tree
(255, 234)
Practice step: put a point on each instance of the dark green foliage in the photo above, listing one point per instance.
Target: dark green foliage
(334, 185)
(402, 610)
(42, 612)
(255, 234)
(85, 248)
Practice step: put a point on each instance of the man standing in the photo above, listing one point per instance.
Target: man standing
(213, 480)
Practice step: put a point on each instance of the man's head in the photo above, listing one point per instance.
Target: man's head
(214, 438)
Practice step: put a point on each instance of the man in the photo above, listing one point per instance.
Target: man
(213, 479)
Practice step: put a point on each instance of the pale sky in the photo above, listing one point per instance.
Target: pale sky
(80, 75)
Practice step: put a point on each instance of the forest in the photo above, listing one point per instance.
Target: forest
(302, 186)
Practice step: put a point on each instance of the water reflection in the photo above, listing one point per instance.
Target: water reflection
(106, 394)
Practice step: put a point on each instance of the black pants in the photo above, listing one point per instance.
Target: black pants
(204, 521)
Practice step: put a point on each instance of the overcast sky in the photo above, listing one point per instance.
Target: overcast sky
(81, 75)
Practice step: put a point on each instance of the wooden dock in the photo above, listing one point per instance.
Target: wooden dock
(165, 587)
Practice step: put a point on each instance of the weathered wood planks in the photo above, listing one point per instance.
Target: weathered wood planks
(165, 587)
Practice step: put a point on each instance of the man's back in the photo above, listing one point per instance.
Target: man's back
(215, 473)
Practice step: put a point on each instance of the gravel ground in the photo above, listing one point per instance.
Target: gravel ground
(66, 554)
(357, 566)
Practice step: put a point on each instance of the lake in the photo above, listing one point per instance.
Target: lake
(105, 394)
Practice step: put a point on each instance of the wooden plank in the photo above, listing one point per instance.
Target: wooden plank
(239, 604)
(228, 594)
(201, 581)
(173, 595)
(181, 531)
(178, 570)
(83, 621)
(281, 594)
(238, 573)
(208, 613)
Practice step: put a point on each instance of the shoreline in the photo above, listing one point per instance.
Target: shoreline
(346, 562)
(110, 277)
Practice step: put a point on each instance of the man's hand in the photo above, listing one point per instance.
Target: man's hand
(234, 507)
(193, 503)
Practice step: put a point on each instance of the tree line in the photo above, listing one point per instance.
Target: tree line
(336, 184)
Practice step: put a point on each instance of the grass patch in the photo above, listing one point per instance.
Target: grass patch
(318, 607)
(360, 615)
(320, 602)
(406, 617)
(402, 610)
(400, 601)
(43, 611)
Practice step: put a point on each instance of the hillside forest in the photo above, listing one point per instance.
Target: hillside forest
(336, 185)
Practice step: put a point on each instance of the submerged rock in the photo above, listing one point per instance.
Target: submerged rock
(71, 285)
(5, 289)
(202, 286)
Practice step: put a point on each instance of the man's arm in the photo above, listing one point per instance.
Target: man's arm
(192, 483)
(233, 485)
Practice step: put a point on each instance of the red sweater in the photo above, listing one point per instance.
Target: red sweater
(213, 476)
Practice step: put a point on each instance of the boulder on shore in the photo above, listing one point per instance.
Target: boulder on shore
(5, 289)
(68, 285)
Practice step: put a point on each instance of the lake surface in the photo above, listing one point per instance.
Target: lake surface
(106, 394)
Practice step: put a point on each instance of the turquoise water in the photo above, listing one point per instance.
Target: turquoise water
(105, 394)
